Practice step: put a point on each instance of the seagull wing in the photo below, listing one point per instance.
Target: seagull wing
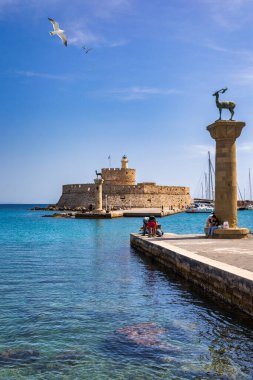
(63, 38)
(55, 23)
(86, 49)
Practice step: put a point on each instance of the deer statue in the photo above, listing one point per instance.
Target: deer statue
(227, 105)
(98, 174)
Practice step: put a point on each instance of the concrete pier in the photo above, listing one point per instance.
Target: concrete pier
(100, 215)
(158, 212)
(219, 267)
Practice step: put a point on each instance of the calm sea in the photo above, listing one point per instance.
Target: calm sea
(76, 302)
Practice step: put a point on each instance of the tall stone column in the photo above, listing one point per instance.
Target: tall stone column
(225, 133)
(98, 195)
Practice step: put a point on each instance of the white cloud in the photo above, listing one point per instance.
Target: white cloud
(108, 8)
(245, 147)
(79, 35)
(140, 93)
(118, 43)
(97, 8)
(18, 5)
(229, 14)
(243, 77)
(32, 74)
(81, 29)
(221, 49)
(200, 150)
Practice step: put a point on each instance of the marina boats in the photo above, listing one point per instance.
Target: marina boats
(198, 207)
(204, 204)
(249, 206)
(246, 204)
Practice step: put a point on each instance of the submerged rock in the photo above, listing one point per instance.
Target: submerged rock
(62, 361)
(70, 358)
(18, 356)
(145, 334)
(146, 341)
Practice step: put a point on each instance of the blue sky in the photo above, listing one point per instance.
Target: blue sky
(145, 90)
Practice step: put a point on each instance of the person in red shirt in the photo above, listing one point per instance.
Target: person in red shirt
(151, 226)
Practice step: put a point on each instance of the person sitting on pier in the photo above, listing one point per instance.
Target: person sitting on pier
(159, 231)
(151, 226)
(209, 220)
(214, 222)
(144, 225)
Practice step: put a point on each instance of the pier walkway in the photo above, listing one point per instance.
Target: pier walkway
(221, 267)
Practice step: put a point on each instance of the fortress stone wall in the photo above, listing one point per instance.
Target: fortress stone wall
(119, 176)
(121, 191)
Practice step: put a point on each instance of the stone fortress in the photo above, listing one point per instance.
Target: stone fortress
(120, 191)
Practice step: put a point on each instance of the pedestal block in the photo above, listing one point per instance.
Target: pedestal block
(98, 196)
(225, 133)
(229, 233)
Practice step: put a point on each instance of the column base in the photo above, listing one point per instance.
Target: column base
(231, 233)
(99, 212)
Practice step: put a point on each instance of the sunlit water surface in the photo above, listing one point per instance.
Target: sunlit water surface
(76, 302)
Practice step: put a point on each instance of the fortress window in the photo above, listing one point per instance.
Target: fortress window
(122, 197)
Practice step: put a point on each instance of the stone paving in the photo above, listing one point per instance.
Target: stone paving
(235, 252)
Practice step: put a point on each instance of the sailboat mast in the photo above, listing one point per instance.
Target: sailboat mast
(250, 188)
(206, 187)
(210, 178)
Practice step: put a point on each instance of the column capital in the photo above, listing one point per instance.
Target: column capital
(98, 181)
(226, 129)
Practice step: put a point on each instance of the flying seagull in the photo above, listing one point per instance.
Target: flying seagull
(86, 49)
(57, 31)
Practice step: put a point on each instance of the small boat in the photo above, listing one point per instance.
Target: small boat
(200, 208)
(249, 207)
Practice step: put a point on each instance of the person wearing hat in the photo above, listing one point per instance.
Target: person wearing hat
(214, 225)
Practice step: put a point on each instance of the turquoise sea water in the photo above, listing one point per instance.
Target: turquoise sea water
(76, 302)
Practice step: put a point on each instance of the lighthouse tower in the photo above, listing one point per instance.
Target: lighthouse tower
(124, 162)
(119, 176)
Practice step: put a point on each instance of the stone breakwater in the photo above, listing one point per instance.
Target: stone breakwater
(80, 213)
(220, 268)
